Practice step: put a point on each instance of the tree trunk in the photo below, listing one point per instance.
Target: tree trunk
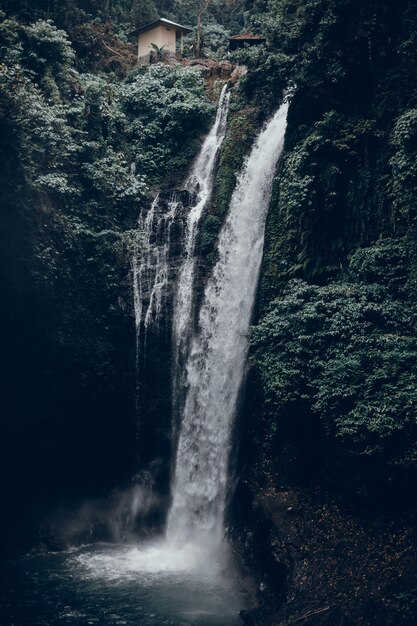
(202, 9)
(198, 46)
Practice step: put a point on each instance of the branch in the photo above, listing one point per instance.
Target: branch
(204, 6)
(111, 50)
(311, 614)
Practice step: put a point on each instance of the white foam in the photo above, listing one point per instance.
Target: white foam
(150, 559)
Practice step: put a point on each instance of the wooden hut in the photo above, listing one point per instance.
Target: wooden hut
(162, 33)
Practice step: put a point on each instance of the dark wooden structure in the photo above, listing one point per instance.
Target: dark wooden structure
(239, 41)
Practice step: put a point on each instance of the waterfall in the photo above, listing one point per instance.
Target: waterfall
(218, 350)
(199, 183)
(154, 269)
(151, 273)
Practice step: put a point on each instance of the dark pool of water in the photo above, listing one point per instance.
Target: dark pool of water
(133, 585)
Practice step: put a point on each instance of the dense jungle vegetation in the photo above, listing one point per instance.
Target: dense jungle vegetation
(336, 338)
(87, 137)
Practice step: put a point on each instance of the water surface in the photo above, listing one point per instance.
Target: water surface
(144, 585)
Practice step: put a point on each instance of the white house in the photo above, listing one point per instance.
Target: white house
(163, 34)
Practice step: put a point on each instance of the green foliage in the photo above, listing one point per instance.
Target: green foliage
(165, 105)
(229, 13)
(144, 11)
(125, 13)
(215, 41)
(110, 175)
(349, 46)
(348, 171)
(343, 348)
(404, 164)
(386, 262)
(157, 52)
(348, 352)
(78, 157)
(11, 46)
(326, 199)
(77, 135)
(47, 46)
(33, 128)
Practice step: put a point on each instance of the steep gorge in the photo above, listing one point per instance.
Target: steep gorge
(318, 471)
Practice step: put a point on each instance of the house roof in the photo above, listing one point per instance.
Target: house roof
(161, 21)
(247, 37)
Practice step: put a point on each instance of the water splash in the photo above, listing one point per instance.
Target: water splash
(218, 351)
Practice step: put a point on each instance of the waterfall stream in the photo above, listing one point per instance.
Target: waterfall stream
(151, 272)
(209, 351)
(200, 183)
(218, 350)
(150, 267)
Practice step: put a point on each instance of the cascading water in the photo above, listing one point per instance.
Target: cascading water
(210, 361)
(151, 273)
(218, 351)
(199, 183)
(151, 276)
(151, 269)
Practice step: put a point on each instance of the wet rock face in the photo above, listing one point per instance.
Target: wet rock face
(322, 562)
(263, 551)
(162, 226)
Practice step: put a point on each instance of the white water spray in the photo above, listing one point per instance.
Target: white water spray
(218, 351)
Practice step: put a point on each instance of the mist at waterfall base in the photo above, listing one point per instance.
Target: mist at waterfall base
(107, 584)
(128, 579)
(188, 577)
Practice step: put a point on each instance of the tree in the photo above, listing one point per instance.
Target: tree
(143, 11)
(202, 9)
